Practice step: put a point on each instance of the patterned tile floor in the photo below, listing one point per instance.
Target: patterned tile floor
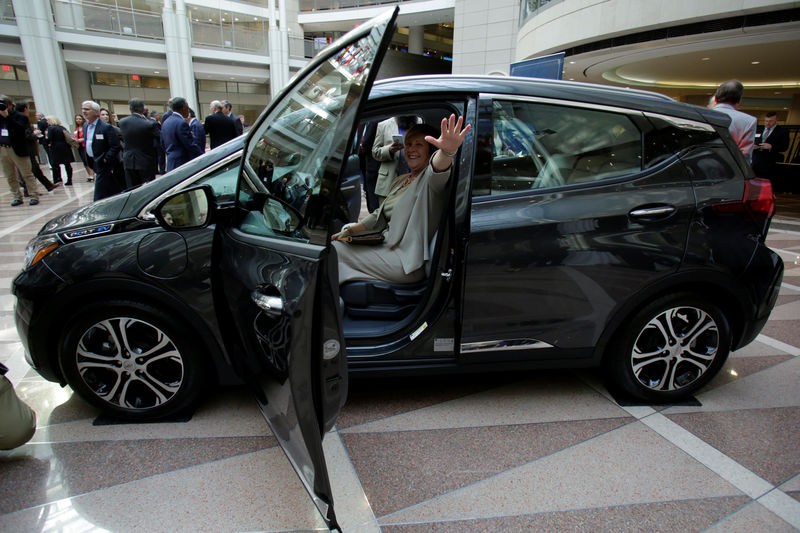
(545, 451)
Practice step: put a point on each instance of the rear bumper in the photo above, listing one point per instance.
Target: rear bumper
(766, 275)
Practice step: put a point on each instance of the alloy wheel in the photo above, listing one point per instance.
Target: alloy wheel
(675, 348)
(129, 363)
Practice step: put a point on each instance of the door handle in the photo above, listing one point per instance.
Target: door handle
(272, 305)
(655, 211)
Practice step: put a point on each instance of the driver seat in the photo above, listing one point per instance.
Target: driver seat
(381, 300)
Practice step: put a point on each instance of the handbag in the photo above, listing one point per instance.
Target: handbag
(371, 238)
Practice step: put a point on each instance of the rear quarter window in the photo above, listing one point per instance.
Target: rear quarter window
(529, 145)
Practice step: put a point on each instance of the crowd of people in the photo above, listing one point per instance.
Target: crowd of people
(763, 146)
(117, 155)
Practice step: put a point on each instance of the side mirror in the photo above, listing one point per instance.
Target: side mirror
(187, 209)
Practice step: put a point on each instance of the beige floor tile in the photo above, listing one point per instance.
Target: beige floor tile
(253, 492)
(753, 518)
(631, 465)
(526, 402)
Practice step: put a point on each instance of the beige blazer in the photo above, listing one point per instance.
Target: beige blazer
(380, 151)
(415, 218)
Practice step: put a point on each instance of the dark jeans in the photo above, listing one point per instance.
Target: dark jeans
(56, 170)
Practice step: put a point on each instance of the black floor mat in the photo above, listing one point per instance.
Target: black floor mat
(625, 400)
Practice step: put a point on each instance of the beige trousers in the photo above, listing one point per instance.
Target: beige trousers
(8, 162)
(17, 420)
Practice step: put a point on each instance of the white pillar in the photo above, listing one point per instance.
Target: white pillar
(179, 58)
(416, 40)
(278, 49)
(43, 58)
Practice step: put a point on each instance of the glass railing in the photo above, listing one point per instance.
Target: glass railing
(91, 16)
(528, 8)
(219, 36)
(323, 5)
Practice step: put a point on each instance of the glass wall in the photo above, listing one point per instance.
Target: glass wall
(116, 79)
(135, 18)
(222, 29)
(7, 11)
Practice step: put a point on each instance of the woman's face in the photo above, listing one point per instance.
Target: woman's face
(417, 152)
(79, 120)
(104, 115)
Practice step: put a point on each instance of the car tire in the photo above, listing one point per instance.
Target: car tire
(132, 361)
(669, 349)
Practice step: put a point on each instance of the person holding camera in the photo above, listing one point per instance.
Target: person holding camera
(14, 154)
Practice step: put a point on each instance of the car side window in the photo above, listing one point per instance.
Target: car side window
(223, 181)
(537, 146)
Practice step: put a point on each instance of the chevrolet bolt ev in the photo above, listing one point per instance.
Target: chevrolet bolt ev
(587, 226)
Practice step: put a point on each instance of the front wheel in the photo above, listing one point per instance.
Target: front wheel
(132, 361)
(669, 349)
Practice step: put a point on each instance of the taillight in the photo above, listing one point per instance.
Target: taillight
(758, 201)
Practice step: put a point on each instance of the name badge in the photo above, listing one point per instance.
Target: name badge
(4, 132)
(99, 136)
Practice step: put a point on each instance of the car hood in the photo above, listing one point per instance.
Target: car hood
(105, 210)
(128, 204)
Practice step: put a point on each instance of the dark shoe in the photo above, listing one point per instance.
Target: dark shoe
(16, 202)
(53, 186)
(90, 179)
(68, 183)
(33, 201)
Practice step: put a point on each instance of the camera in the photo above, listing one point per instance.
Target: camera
(3, 105)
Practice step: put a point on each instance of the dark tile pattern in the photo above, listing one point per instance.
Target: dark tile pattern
(762, 440)
(787, 331)
(399, 469)
(79, 467)
(667, 517)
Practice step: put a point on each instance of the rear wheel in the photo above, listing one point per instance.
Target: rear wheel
(669, 349)
(132, 361)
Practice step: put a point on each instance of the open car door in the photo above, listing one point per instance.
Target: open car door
(277, 270)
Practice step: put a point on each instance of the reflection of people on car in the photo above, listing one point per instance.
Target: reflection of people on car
(409, 215)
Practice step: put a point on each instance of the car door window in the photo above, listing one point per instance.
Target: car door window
(294, 157)
(223, 181)
(536, 146)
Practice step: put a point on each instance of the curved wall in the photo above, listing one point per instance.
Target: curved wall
(567, 23)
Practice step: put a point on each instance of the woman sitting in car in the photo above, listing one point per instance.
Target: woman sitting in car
(408, 216)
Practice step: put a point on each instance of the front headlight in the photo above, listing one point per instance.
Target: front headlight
(38, 248)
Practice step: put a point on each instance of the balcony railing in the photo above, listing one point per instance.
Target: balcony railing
(91, 16)
(7, 11)
(322, 5)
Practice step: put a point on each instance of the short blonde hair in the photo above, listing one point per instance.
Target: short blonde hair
(53, 120)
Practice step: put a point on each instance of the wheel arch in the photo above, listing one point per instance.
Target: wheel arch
(716, 287)
(99, 290)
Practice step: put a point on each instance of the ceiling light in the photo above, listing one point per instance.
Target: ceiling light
(156, 72)
(704, 58)
(571, 62)
(755, 62)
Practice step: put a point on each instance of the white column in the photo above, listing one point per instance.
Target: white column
(278, 48)
(416, 40)
(177, 41)
(43, 58)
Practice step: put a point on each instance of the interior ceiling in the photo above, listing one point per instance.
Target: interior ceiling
(764, 61)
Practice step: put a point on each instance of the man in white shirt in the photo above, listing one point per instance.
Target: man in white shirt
(742, 126)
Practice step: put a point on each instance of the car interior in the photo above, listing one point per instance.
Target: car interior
(375, 308)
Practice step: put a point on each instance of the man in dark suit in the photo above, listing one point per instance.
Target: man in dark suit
(771, 140)
(198, 131)
(140, 158)
(102, 147)
(220, 128)
(369, 165)
(227, 109)
(176, 135)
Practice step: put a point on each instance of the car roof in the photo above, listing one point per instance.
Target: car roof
(556, 89)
